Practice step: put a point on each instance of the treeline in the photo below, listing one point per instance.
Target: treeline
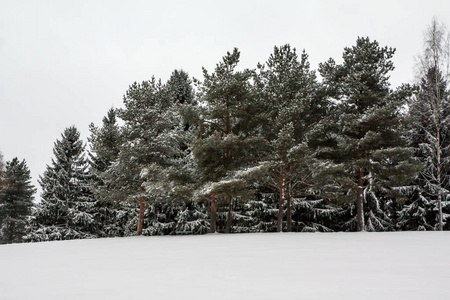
(258, 150)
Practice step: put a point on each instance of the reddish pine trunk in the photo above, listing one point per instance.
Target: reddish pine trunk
(212, 228)
(229, 216)
(142, 204)
(11, 238)
(141, 215)
(359, 202)
(281, 204)
(289, 209)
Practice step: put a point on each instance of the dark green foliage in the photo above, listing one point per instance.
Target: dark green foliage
(152, 153)
(379, 212)
(418, 212)
(147, 139)
(105, 146)
(104, 142)
(67, 208)
(250, 147)
(262, 212)
(180, 89)
(176, 218)
(314, 215)
(225, 141)
(366, 144)
(257, 213)
(226, 120)
(152, 133)
(290, 99)
(288, 93)
(16, 202)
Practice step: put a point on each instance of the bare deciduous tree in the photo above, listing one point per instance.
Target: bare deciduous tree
(430, 111)
(2, 173)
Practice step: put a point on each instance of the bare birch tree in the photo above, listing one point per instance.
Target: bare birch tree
(429, 112)
(2, 174)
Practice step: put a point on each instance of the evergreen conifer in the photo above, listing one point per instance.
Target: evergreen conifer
(105, 146)
(150, 150)
(67, 208)
(289, 97)
(225, 141)
(16, 202)
(370, 153)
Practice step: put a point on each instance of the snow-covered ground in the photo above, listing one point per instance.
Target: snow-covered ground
(399, 265)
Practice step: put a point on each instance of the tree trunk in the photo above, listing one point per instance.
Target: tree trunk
(438, 162)
(229, 216)
(438, 157)
(11, 235)
(441, 227)
(281, 204)
(289, 209)
(360, 202)
(212, 228)
(439, 174)
(141, 215)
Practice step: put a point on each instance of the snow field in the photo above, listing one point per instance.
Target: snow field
(397, 265)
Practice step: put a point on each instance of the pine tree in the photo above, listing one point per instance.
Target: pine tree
(369, 153)
(150, 150)
(224, 142)
(67, 206)
(288, 94)
(16, 202)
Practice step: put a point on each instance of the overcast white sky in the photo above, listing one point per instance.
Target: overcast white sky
(66, 63)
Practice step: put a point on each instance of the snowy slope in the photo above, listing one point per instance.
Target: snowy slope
(399, 265)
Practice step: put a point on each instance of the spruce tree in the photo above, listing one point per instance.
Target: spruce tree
(314, 215)
(180, 88)
(16, 202)
(176, 218)
(259, 214)
(105, 146)
(66, 210)
(369, 153)
(192, 218)
(105, 142)
(184, 178)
